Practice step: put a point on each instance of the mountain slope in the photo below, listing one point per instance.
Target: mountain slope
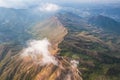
(15, 24)
(15, 67)
(105, 23)
(86, 50)
(51, 29)
(95, 48)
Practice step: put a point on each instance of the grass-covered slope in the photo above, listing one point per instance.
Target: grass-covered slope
(13, 66)
(96, 48)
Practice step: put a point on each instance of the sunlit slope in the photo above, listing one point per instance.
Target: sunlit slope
(15, 67)
(51, 29)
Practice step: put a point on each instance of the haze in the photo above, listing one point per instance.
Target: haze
(29, 3)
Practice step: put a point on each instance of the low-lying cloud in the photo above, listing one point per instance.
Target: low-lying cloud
(49, 7)
(17, 4)
(24, 4)
(38, 51)
(74, 63)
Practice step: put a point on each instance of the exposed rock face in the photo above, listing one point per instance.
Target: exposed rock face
(13, 67)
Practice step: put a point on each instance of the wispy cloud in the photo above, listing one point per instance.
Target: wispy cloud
(46, 5)
(28, 3)
(38, 51)
(17, 4)
(49, 7)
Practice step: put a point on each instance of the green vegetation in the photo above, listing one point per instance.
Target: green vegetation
(94, 55)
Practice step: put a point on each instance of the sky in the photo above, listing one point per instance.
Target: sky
(28, 3)
(92, 1)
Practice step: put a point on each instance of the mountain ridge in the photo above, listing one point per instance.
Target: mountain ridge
(24, 68)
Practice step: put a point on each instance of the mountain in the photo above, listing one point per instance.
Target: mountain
(61, 46)
(95, 47)
(53, 30)
(15, 23)
(106, 23)
(11, 25)
(15, 67)
(12, 67)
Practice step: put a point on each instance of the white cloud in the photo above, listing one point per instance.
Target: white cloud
(22, 4)
(74, 63)
(18, 3)
(3, 4)
(28, 3)
(38, 51)
(49, 7)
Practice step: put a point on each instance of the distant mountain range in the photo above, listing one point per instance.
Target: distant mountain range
(105, 23)
(14, 24)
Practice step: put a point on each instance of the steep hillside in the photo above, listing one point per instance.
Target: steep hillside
(105, 23)
(96, 48)
(64, 47)
(19, 63)
(15, 24)
(51, 29)
(12, 67)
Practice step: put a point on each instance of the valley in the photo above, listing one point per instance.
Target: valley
(78, 43)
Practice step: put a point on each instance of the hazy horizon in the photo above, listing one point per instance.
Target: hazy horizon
(28, 3)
